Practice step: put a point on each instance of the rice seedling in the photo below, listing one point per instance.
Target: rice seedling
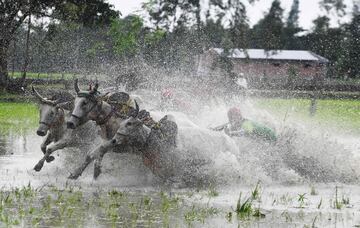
(301, 200)
(199, 214)
(345, 200)
(319, 204)
(112, 213)
(212, 192)
(244, 209)
(255, 194)
(285, 199)
(134, 216)
(167, 204)
(313, 191)
(228, 216)
(337, 203)
(147, 202)
(287, 216)
(114, 194)
(190, 216)
(258, 213)
(274, 202)
(313, 225)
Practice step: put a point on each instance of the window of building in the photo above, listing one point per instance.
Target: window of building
(276, 64)
(307, 65)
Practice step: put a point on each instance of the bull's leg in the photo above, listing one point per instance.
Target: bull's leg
(96, 153)
(46, 141)
(104, 148)
(43, 146)
(75, 175)
(57, 146)
(49, 150)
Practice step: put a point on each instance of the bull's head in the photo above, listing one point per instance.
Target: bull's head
(132, 131)
(85, 103)
(51, 112)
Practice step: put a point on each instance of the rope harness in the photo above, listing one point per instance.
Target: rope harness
(95, 102)
(106, 118)
(59, 120)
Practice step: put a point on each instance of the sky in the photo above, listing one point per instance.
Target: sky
(309, 10)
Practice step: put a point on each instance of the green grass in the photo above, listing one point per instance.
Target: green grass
(17, 116)
(349, 80)
(342, 114)
(9, 96)
(34, 75)
(339, 114)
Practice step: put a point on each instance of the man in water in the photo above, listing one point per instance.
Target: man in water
(239, 126)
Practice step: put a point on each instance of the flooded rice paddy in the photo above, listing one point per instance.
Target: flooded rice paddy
(268, 190)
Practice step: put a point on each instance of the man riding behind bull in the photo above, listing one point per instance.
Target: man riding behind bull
(124, 106)
(239, 126)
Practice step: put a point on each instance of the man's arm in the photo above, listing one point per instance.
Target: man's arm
(238, 133)
(219, 128)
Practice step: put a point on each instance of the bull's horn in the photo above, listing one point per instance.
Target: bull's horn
(68, 105)
(137, 108)
(76, 86)
(96, 86)
(43, 100)
(104, 95)
(94, 89)
(37, 94)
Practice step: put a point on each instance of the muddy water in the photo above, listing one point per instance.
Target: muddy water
(296, 203)
(18, 155)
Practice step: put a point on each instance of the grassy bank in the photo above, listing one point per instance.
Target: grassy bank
(66, 76)
(17, 116)
(341, 114)
(10, 97)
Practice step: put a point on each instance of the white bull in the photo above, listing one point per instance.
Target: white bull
(52, 125)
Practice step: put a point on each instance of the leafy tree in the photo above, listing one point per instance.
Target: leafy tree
(351, 64)
(214, 31)
(13, 15)
(338, 5)
(268, 32)
(327, 42)
(126, 34)
(321, 25)
(172, 13)
(15, 12)
(239, 25)
(88, 13)
(318, 40)
(292, 27)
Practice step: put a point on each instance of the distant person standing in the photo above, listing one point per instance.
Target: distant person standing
(242, 82)
(239, 126)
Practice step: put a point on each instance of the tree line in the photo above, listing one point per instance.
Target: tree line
(89, 36)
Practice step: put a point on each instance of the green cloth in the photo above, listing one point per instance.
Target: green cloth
(252, 128)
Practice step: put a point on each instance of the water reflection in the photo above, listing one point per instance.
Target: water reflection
(17, 128)
(23, 144)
